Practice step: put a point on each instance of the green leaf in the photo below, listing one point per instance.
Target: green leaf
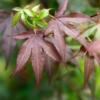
(16, 18)
(41, 24)
(24, 19)
(29, 12)
(44, 13)
(35, 9)
(34, 23)
(17, 8)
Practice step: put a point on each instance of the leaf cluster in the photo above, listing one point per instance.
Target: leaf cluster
(40, 48)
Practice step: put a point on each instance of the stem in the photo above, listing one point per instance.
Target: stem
(12, 14)
(35, 31)
(52, 16)
(87, 36)
(99, 17)
(94, 15)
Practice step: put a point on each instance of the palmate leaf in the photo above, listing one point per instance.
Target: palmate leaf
(69, 29)
(88, 66)
(59, 25)
(35, 43)
(8, 44)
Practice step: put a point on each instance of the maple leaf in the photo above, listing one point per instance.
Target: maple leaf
(88, 66)
(34, 44)
(5, 27)
(60, 24)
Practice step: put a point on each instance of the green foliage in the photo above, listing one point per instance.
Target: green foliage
(16, 18)
(35, 9)
(44, 13)
(31, 13)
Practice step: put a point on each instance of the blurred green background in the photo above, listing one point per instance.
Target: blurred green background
(65, 85)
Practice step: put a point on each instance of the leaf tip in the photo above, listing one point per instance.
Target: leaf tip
(64, 63)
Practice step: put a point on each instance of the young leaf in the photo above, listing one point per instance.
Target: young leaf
(88, 66)
(24, 19)
(35, 9)
(17, 9)
(44, 13)
(16, 18)
(29, 12)
(40, 23)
